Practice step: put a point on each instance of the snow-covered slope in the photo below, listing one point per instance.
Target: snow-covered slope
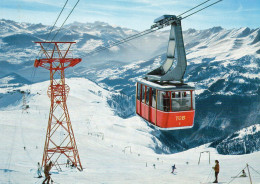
(112, 149)
(224, 64)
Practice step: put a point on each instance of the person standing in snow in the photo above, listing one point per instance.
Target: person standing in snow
(173, 168)
(39, 170)
(216, 169)
(68, 163)
(47, 169)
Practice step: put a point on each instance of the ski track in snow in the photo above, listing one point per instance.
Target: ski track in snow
(104, 161)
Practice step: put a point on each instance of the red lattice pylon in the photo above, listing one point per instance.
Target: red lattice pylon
(60, 140)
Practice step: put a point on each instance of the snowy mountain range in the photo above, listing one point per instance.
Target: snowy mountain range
(244, 141)
(224, 65)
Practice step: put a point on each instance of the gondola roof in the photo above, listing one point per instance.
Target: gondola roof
(166, 86)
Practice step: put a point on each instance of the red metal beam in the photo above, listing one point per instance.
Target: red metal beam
(59, 116)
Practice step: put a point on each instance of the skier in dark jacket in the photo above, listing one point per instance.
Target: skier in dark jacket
(173, 168)
(39, 170)
(47, 169)
(216, 169)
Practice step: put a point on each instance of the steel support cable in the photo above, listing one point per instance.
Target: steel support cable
(34, 70)
(236, 175)
(148, 30)
(209, 176)
(59, 28)
(151, 30)
(201, 9)
(160, 28)
(131, 36)
(54, 24)
(193, 8)
(62, 24)
(254, 170)
(118, 43)
(56, 20)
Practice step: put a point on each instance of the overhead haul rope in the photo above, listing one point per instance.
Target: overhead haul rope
(120, 42)
(59, 28)
(193, 8)
(140, 34)
(54, 24)
(202, 9)
(145, 32)
(34, 70)
(56, 20)
(64, 21)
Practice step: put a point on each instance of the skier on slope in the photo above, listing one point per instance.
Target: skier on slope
(243, 173)
(47, 169)
(216, 169)
(39, 170)
(68, 163)
(173, 168)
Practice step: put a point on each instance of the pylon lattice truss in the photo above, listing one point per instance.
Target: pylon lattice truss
(60, 140)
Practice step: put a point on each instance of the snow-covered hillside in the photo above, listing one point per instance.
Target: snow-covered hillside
(244, 141)
(112, 149)
(224, 65)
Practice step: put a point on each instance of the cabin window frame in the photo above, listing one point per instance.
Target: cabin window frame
(147, 89)
(138, 91)
(162, 103)
(192, 99)
(143, 94)
(179, 98)
(153, 98)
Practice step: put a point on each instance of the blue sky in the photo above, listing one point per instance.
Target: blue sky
(136, 14)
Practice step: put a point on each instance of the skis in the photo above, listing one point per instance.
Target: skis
(239, 177)
(221, 182)
(212, 182)
(51, 181)
(38, 177)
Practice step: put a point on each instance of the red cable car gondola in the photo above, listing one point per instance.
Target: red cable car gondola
(167, 106)
(162, 99)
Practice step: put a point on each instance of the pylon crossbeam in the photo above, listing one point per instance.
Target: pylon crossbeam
(56, 62)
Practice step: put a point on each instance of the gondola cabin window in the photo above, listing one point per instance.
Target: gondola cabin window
(163, 100)
(138, 91)
(154, 98)
(147, 95)
(181, 101)
(143, 93)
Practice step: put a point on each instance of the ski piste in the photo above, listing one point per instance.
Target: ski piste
(142, 148)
